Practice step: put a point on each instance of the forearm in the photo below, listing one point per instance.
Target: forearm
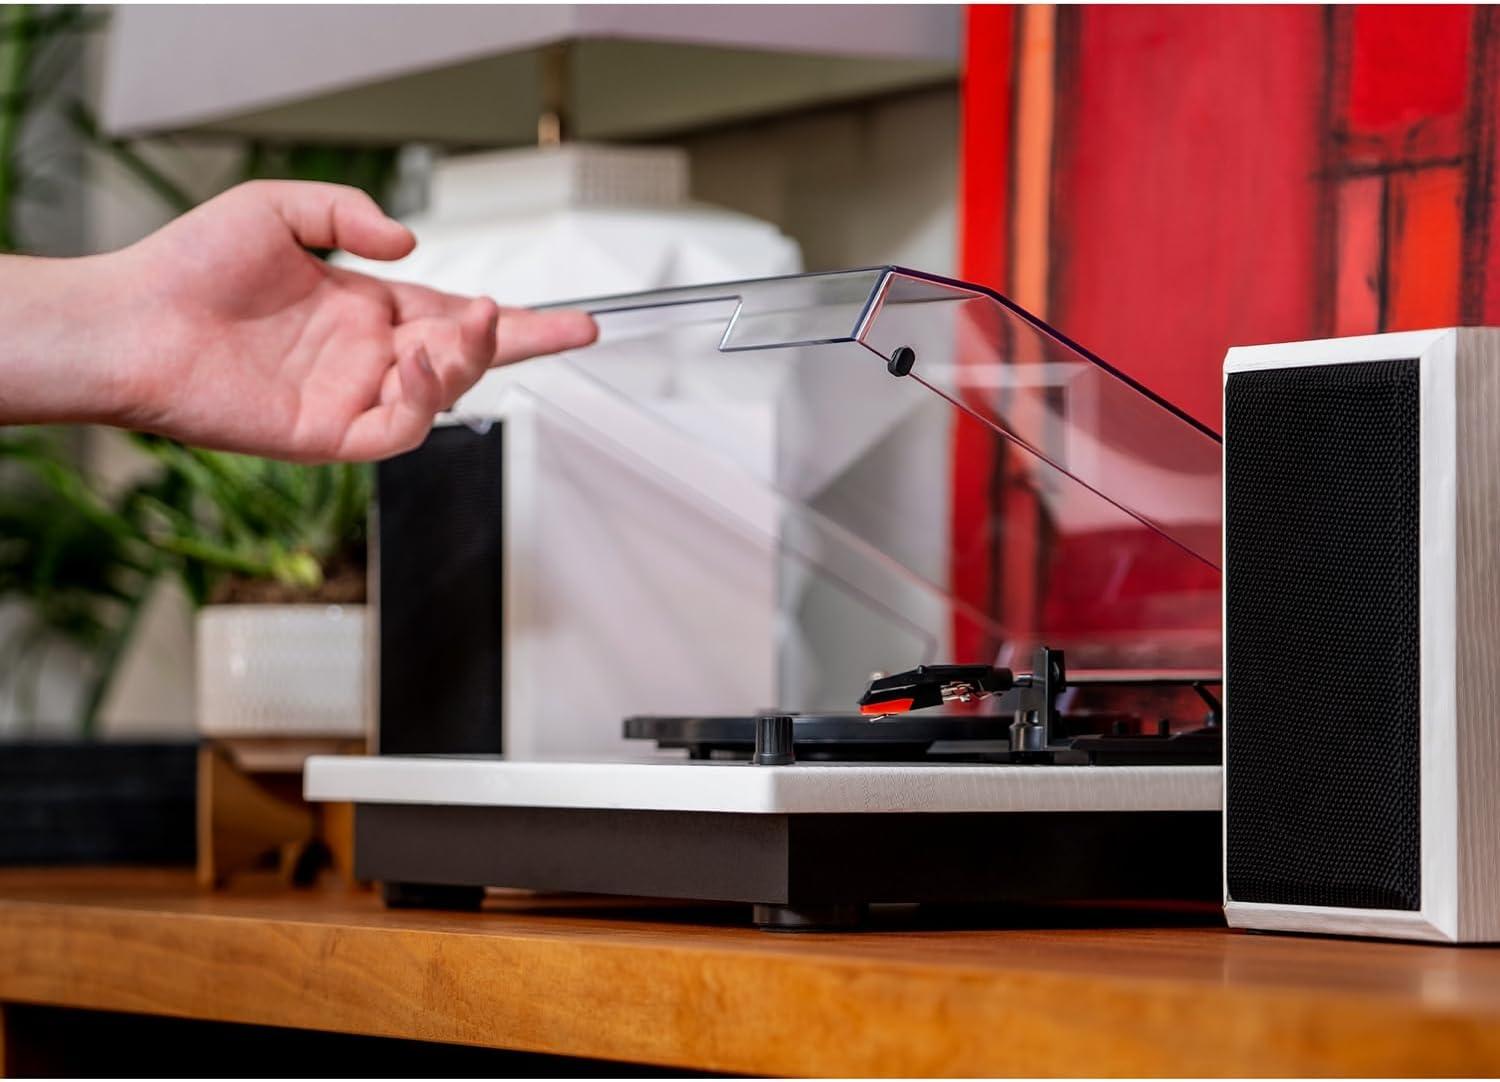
(70, 339)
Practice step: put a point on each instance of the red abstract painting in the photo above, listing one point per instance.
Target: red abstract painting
(1162, 183)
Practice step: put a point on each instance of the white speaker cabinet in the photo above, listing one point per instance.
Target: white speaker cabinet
(1362, 636)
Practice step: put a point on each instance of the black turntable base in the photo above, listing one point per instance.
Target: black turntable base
(800, 871)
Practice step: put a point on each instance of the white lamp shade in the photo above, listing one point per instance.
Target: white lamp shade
(469, 75)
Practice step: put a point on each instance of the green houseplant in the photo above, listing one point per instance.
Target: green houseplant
(274, 554)
(243, 529)
(234, 529)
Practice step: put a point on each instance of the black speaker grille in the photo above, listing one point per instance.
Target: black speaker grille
(1321, 635)
(439, 554)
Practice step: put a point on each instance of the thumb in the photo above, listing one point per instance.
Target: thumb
(334, 216)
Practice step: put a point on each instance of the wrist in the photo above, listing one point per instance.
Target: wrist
(71, 347)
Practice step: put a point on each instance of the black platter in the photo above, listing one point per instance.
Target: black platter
(1085, 739)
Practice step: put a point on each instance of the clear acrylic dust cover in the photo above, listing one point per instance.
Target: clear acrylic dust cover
(772, 489)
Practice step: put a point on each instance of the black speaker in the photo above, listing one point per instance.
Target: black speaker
(438, 588)
(1362, 635)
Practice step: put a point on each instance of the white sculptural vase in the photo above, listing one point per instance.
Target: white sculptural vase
(282, 670)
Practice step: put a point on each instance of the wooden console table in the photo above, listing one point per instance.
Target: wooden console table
(693, 989)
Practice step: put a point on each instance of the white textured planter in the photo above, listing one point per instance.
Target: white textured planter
(282, 670)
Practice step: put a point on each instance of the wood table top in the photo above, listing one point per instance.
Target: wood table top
(696, 987)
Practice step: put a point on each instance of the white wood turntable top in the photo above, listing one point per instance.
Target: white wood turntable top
(722, 786)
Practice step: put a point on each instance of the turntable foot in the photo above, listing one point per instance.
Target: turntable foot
(808, 918)
(399, 895)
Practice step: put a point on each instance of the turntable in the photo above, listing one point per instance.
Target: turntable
(760, 493)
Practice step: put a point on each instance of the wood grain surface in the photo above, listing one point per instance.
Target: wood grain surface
(1152, 994)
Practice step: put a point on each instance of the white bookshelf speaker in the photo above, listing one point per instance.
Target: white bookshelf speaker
(1362, 636)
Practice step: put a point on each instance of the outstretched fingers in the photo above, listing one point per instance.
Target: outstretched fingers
(460, 346)
(404, 414)
(443, 344)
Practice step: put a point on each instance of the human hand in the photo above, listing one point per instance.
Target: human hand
(235, 337)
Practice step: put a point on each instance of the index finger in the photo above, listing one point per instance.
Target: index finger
(520, 332)
(525, 332)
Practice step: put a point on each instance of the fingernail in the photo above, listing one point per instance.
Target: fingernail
(424, 362)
